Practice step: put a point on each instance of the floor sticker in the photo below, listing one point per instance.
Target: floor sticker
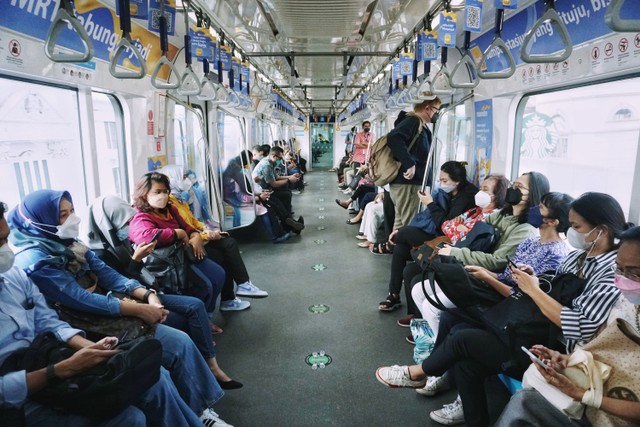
(318, 359)
(319, 308)
(319, 267)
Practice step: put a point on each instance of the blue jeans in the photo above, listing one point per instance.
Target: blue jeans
(161, 405)
(189, 315)
(212, 275)
(190, 373)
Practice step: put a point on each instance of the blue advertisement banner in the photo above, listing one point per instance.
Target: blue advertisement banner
(200, 43)
(395, 70)
(137, 8)
(427, 48)
(584, 22)
(153, 23)
(235, 65)
(101, 24)
(246, 77)
(473, 15)
(225, 57)
(447, 30)
(483, 139)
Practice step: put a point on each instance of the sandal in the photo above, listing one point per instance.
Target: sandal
(391, 303)
(381, 249)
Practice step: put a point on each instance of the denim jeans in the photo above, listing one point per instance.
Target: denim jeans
(190, 373)
(161, 405)
(213, 276)
(189, 315)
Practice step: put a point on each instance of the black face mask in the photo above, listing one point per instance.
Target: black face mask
(435, 117)
(514, 196)
(366, 129)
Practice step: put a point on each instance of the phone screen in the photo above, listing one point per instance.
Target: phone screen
(155, 236)
(534, 357)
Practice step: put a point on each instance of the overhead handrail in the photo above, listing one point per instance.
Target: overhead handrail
(552, 17)
(615, 22)
(425, 83)
(64, 17)
(501, 45)
(222, 97)
(164, 60)
(125, 44)
(189, 82)
(442, 75)
(207, 88)
(471, 67)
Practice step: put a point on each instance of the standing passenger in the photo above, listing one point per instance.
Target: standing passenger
(404, 188)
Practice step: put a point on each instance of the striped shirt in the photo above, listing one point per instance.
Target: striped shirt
(591, 309)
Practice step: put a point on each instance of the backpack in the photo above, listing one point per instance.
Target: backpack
(100, 392)
(383, 167)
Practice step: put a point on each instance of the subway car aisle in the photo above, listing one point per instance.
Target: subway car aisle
(323, 296)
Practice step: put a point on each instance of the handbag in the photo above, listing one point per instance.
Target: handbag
(518, 321)
(98, 327)
(168, 265)
(425, 253)
(617, 346)
(99, 392)
(482, 237)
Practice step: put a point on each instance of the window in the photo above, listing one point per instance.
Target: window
(110, 149)
(40, 146)
(569, 136)
(453, 137)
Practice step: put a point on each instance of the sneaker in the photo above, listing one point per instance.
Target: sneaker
(282, 238)
(210, 419)
(295, 191)
(296, 226)
(405, 321)
(409, 338)
(362, 237)
(248, 289)
(397, 376)
(450, 414)
(434, 386)
(235, 304)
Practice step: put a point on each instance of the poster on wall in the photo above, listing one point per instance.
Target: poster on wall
(483, 139)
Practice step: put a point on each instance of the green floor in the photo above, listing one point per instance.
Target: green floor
(265, 347)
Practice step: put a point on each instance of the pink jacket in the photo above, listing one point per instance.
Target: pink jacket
(144, 226)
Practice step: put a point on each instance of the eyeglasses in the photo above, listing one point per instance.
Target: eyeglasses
(631, 276)
(519, 186)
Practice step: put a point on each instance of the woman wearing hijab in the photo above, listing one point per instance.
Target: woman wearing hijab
(109, 218)
(44, 230)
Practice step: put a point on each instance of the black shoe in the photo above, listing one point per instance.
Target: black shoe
(229, 385)
(295, 226)
(301, 220)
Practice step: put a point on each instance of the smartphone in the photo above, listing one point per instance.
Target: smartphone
(441, 245)
(534, 357)
(224, 233)
(511, 263)
(155, 236)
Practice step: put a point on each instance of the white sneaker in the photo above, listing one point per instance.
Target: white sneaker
(450, 414)
(235, 304)
(397, 376)
(248, 289)
(433, 386)
(210, 419)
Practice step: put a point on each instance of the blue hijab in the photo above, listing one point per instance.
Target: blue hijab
(42, 207)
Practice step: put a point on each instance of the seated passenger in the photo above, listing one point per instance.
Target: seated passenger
(236, 189)
(155, 214)
(265, 175)
(458, 196)
(44, 229)
(474, 354)
(536, 255)
(220, 247)
(371, 229)
(529, 407)
(109, 218)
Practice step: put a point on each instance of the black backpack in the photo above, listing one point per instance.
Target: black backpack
(100, 392)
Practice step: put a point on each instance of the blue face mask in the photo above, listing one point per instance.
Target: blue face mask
(535, 217)
(123, 233)
(279, 162)
(184, 196)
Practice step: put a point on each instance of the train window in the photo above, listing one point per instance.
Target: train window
(583, 139)
(189, 146)
(40, 145)
(110, 149)
(453, 137)
(237, 188)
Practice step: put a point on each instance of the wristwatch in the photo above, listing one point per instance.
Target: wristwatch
(52, 378)
(145, 298)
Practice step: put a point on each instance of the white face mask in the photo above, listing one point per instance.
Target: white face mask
(448, 188)
(579, 240)
(158, 201)
(187, 184)
(6, 258)
(70, 229)
(482, 199)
